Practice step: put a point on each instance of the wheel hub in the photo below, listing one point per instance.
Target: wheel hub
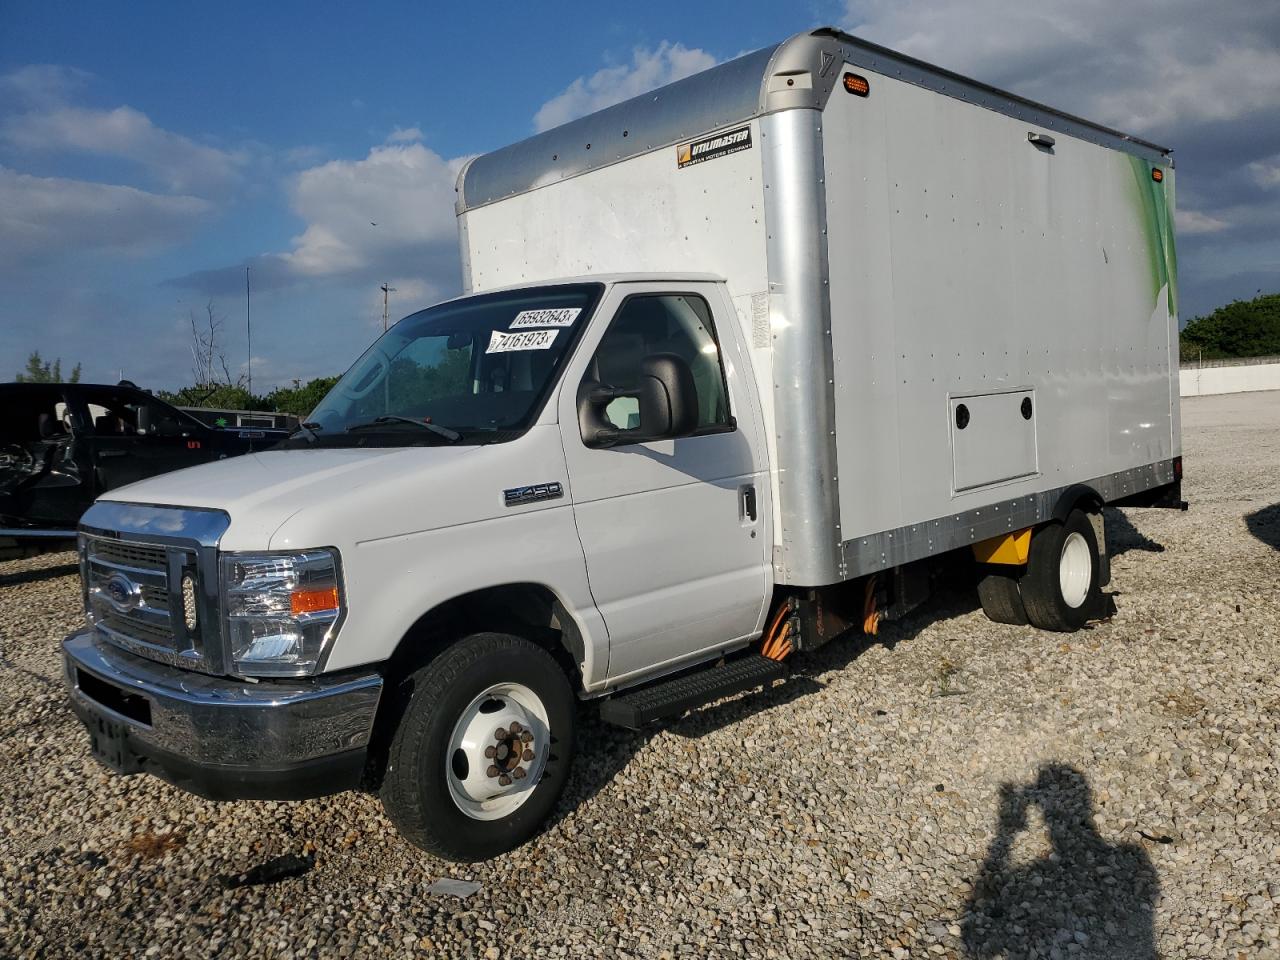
(513, 747)
(1075, 570)
(498, 751)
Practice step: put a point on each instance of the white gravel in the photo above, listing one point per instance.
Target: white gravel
(958, 789)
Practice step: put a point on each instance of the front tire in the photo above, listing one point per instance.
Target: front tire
(483, 749)
(1061, 588)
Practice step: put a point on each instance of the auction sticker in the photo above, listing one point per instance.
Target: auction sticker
(500, 342)
(552, 317)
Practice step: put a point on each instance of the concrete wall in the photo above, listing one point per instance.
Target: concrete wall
(1197, 382)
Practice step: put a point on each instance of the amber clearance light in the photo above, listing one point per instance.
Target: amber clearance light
(1157, 174)
(313, 601)
(856, 84)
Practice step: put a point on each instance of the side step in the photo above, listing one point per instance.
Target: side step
(667, 698)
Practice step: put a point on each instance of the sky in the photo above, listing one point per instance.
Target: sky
(150, 152)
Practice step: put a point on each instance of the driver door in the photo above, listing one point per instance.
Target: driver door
(674, 531)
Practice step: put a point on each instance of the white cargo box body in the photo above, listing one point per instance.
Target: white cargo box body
(960, 304)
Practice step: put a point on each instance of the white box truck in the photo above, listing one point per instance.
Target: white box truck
(736, 360)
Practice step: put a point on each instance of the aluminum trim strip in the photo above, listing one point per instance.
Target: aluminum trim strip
(892, 548)
(800, 327)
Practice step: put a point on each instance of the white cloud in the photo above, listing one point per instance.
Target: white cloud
(179, 163)
(648, 69)
(364, 213)
(404, 135)
(1266, 173)
(1146, 66)
(42, 217)
(42, 84)
(1191, 222)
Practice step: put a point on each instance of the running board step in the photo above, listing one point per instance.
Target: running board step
(667, 698)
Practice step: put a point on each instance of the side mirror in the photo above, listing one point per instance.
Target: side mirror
(665, 405)
(167, 427)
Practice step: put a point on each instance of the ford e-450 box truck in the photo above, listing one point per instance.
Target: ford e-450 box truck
(736, 361)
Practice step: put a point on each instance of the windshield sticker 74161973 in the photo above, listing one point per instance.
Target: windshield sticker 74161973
(550, 317)
(500, 342)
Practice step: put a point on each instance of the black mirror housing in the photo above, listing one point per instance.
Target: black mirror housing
(667, 397)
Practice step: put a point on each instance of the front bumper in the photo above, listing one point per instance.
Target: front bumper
(219, 737)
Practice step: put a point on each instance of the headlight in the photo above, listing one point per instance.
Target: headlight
(282, 610)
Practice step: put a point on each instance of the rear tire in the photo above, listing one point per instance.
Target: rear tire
(440, 788)
(1061, 588)
(1001, 598)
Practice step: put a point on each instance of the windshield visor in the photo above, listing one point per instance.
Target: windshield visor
(481, 366)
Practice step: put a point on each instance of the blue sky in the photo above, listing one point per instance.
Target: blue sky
(149, 151)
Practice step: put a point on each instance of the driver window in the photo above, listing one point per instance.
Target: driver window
(662, 323)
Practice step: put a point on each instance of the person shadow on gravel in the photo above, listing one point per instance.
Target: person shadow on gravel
(1085, 898)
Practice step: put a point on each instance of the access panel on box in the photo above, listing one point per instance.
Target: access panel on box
(993, 438)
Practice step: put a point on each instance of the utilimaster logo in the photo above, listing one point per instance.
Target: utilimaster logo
(708, 148)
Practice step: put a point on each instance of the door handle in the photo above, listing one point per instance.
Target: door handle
(747, 503)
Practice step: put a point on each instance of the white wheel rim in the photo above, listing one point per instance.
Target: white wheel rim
(1075, 570)
(498, 751)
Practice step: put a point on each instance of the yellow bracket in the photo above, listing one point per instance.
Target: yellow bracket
(1011, 548)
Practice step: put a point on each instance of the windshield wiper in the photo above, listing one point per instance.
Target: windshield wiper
(308, 430)
(453, 436)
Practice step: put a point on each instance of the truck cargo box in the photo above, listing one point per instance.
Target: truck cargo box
(960, 303)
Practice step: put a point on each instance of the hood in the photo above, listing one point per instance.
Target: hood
(302, 498)
(262, 490)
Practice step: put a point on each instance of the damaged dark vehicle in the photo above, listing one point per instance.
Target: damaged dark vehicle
(63, 444)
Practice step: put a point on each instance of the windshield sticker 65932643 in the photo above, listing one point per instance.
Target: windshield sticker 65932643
(500, 342)
(551, 317)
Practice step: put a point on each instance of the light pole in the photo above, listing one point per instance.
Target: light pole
(248, 329)
(386, 289)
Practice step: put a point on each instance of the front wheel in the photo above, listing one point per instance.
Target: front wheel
(483, 749)
(1061, 588)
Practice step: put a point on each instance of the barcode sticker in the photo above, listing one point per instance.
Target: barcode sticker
(552, 317)
(500, 342)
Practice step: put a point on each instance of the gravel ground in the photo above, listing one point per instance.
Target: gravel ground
(959, 789)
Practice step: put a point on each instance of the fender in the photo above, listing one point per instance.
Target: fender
(1084, 497)
(1077, 495)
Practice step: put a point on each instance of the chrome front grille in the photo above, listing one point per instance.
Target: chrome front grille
(134, 598)
(141, 556)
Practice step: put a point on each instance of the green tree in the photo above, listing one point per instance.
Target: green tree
(40, 370)
(218, 396)
(1244, 328)
(301, 398)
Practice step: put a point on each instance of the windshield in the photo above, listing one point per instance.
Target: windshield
(480, 367)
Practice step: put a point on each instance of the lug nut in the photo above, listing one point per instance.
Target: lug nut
(515, 727)
(527, 756)
(492, 772)
(526, 737)
(519, 773)
(504, 781)
(500, 734)
(490, 752)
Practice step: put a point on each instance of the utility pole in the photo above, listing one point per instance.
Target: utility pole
(248, 329)
(386, 289)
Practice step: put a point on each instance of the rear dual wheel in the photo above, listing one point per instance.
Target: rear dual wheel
(1060, 587)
